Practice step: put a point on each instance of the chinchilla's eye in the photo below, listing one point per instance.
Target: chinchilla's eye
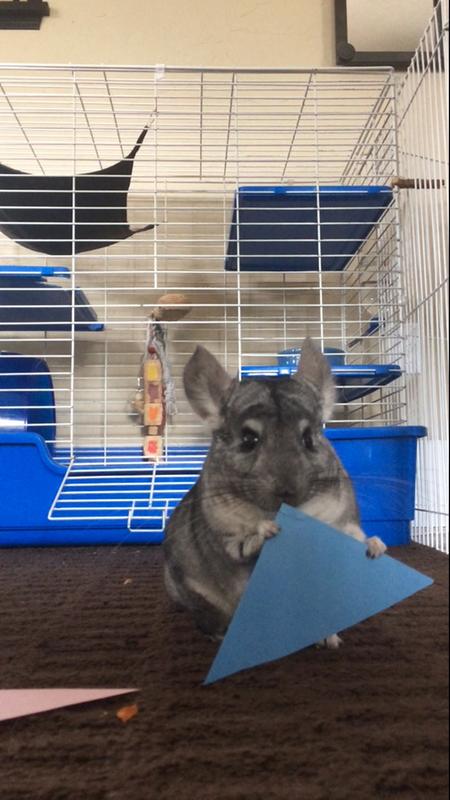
(249, 440)
(307, 439)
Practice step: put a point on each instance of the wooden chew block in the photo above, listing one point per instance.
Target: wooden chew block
(152, 371)
(153, 447)
(174, 306)
(153, 414)
(153, 393)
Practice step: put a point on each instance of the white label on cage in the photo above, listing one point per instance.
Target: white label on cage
(413, 361)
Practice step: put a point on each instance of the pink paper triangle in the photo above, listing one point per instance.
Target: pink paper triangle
(22, 702)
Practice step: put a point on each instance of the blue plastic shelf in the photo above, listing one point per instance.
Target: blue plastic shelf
(29, 303)
(280, 228)
(14, 271)
(353, 380)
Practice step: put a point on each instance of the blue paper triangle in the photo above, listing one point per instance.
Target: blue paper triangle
(309, 582)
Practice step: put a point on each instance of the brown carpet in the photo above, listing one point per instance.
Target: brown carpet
(368, 721)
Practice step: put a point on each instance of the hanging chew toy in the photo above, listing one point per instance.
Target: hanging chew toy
(154, 401)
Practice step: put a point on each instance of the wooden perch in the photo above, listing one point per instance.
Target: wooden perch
(417, 183)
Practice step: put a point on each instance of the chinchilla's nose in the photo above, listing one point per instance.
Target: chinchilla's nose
(289, 498)
(287, 493)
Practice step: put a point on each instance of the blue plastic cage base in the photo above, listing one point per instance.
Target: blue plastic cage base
(353, 381)
(302, 228)
(115, 496)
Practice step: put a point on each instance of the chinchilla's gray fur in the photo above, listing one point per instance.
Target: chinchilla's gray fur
(267, 448)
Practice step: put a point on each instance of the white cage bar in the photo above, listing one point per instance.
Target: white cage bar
(423, 143)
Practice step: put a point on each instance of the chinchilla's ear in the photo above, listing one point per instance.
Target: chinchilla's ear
(315, 369)
(205, 384)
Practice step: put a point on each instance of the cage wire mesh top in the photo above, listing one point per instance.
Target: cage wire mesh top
(208, 135)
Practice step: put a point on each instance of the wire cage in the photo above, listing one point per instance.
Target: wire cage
(423, 155)
(264, 200)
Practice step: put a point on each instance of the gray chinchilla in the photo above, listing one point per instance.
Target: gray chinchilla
(267, 448)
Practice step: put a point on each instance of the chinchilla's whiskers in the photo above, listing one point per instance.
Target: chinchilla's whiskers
(217, 495)
(395, 486)
(397, 482)
(207, 494)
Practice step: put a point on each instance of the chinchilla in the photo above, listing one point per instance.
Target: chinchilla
(267, 448)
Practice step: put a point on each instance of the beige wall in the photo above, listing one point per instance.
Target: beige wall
(275, 33)
(387, 24)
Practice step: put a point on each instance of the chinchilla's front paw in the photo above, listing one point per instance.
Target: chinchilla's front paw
(332, 642)
(375, 547)
(268, 528)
